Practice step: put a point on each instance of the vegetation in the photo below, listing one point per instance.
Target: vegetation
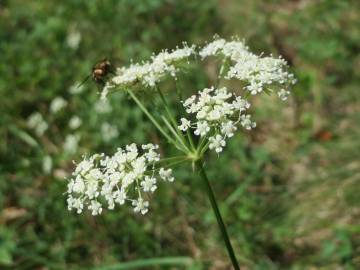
(288, 190)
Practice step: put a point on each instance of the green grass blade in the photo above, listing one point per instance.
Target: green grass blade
(173, 261)
(24, 136)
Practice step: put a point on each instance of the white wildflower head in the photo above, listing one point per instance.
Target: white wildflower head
(57, 104)
(217, 143)
(166, 175)
(212, 48)
(258, 72)
(75, 122)
(103, 106)
(185, 124)
(150, 73)
(108, 131)
(218, 113)
(73, 38)
(140, 206)
(283, 94)
(37, 123)
(71, 143)
(130, 175)
(76, 88)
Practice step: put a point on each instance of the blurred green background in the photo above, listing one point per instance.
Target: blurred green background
(289, 190)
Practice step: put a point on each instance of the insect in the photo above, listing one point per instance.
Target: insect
(99, 72)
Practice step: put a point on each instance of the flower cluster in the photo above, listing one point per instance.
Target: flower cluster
(151, 72)
(37, 122)
(218, 113)
(57, 104)
(128, 175)
(258, 72)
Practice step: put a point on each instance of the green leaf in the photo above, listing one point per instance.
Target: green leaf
(24, 136)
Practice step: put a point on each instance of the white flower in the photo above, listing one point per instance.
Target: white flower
(75, 122)
(78, 185)
(71, 143)
(96, 208)
(34, 120)
(73, 39)
(120, 196)
(218, 112)
(151, 72)
(283, 94)
(240, 104)
(37, 122)
(185, 124)
(246, 122)
(108, 131)
(150, 146)
(47, 164)
(189, 101)
(57, 104)
(141, 206)
(257, 71)
(105, 179)
(202, 128)
(103, 106)
(76, 203)
(166, 175)
(217, 143)
(152, 156)
(106, 90)
(212, 48)
(174, 56)
(76, 88)
(228, 128)
(149, 184)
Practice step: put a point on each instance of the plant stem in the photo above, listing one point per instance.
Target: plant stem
(219, 219)
(152, 119)
(189, 136)
(179, 135)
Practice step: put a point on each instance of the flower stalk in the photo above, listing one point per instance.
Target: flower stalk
(217, 213)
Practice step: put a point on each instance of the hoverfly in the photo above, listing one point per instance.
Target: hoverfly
(99, 72)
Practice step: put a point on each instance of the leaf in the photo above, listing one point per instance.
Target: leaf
(24, 136)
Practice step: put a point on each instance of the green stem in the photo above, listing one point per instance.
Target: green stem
(189, 136)
(152, 119)
(169, 113)
(179, 136)
(219, 219)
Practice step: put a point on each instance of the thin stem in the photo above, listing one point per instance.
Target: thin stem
(201, 143)
(189, 136)
(170, 115)
(219, 219)
(179, 138)
(152, 119)
(172, 119)
(178, 91)
(164, 160)
(202, 151)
